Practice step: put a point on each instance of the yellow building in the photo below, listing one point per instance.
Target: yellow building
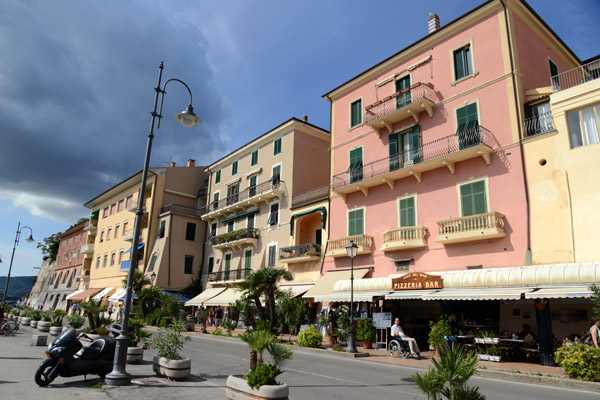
(172, 235)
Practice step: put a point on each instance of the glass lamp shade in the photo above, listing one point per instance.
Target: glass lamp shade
(30, 239)
(351, 249)
(187, 117)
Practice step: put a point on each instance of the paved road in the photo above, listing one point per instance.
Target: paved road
(310, 376)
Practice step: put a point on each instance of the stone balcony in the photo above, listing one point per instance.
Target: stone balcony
(237, 238)
(472, 228)
(337, 247)
(403, 238)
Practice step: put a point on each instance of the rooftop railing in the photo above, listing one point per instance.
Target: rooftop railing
(576, 76)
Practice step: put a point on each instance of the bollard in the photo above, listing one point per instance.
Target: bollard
(39, 340)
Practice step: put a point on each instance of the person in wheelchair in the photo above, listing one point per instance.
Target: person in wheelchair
(398, 334)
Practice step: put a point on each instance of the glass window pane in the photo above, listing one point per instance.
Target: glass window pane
(575, 129)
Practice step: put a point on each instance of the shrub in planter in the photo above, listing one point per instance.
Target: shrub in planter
(264, 374)
(168, 342)
(366, 333)
(579, 361)
(310, 337)
(437, 331)
(76, 321)
(57, 317)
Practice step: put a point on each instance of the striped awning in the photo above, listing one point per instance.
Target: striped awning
(115, 297)
(408, 294)
(357, 297)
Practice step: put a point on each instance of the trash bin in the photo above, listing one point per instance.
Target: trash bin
(190, 323)
(449, 342)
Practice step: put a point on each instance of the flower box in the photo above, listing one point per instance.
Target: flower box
(483, 357)
(495, 358)
(479, 340)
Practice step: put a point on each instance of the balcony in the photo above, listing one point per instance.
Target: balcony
(183, 210)
(401, 105)
(91, 227)
(312, 196)
(403, 238)
(444, 152)
(128, 235)
(232, 275)
(237, 238)
(273, 188)
(134, 205)
(337, 247)
(474, 227)
(576, 76)
(88, 249)
(300, 253)
(538, 124)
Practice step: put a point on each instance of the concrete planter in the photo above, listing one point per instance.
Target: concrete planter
(238, 389)
(135, 355)
(34, 324)
(172, 369)
(26, 321)
(95, 336)
(56, 330)
(43, 326)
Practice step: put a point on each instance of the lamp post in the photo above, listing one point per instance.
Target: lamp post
(118, 376)
(28, 240)
(153, 277)
(351, 249)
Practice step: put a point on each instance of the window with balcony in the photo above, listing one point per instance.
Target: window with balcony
(355, 113)
(276, 175)
(356, 165)
(553, 69)
(233, 193)
(230, 226)
(161, 229)
(277, 146)
(356, 222)
(190, 231)
(407, 211)
(215, 199)
(121, 252)
(218, 176)
(404, 148)
(254, 160)
(234, 168)
(473, 198)
(467, 121)
(403, 87)
(252, 186)
(538, 118)
(250, 222)
(272, 254)
(189, 265)
(584, 125)
(463, 64)
(274, 216)
(211, 264)
(213, 229)
(227, 266)
(247, 262)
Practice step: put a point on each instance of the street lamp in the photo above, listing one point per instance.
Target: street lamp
(28, 240)
(153, 277)
(118, 376)
(351, 249)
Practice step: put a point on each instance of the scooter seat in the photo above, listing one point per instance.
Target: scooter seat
(98, 348)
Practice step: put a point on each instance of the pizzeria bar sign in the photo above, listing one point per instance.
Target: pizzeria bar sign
(417, 280)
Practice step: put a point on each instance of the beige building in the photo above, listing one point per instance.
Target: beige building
(171, 236)
(251, 194)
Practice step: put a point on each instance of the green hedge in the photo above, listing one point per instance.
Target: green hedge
(580, 361)
(310, 337)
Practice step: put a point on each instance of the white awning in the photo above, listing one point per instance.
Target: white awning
(560, 293)
(74, 294)
(115, 297)
(478, 294)
(297, 289)
(324, 287)
(206, 295)
(358, 296)
(103, 293)
(409, 294)
(224, 299)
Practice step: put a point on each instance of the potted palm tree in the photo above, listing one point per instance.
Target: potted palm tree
(135, 352)
(36, 316)
(168, 342)
(44, 324)
(56, 326)
(76, 321)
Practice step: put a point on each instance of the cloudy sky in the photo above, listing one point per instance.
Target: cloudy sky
(77, 79)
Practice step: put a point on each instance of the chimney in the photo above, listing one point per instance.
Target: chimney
(305, 118)
(191, 162)
(172, 164)
(434, 22)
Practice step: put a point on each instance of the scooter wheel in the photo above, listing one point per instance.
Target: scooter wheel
(47, 372)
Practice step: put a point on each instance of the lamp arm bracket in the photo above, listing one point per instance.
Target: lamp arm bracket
(162, 97)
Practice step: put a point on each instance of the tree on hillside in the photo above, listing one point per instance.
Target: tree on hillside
(50, 247)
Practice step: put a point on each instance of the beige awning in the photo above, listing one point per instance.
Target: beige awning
(409, 294)
(538, 93)
(84, 295)
(478, 294)
(224, 299)
(297, 289)
(324, 287)
(103, 293)
(560, 293)
(75, 293)
(358, 296)
(206, 295)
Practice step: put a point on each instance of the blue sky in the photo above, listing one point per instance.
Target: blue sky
(77, 79)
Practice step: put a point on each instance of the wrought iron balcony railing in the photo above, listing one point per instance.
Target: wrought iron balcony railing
(576, 76)
(411, 157)
(311, 196)
(251, 192)
(301, 250)
(183, 210)
(231, 275)
(246, 233)
(538, 124)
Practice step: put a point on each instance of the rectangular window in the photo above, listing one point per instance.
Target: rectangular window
(105, 212)
(356, 113)
(233, 193)
(227, 266)
(98, 262)
(467, 123)
(161, 229)
(105, 261)
(101, 236)
(211, 264)
(250, 222)
(356, 165)
(403, 87)
(473, 198)
(252, 186)
(117, 231)
(190, 231)
(216, 200)
(120, 205)
(404, 148)
(276, 176)
(584, 126)
(113, 257)
(152, 262)
(276, 146)
(121, 252)
(407, 211)
(113, 208)
(230, 226)
(274, 216)
(553, 68)
(272, 255)
(189, 265)
(213, 230)
(108, 232)
(129, 201)
(254, 158)
(538, 118)
(234, 167)
(356, 222)
(218, 176)
(463, 65)
(247, 262)
(125, 227)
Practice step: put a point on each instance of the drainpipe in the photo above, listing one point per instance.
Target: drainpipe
(324, 248)
(169, 258)
(528, 256)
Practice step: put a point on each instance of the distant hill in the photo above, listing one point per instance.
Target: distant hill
(18, 286)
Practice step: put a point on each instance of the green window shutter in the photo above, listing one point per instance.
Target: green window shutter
(234, 167)
(459, 65)
(153, 262)
(227, 266)
(248, 261)
(393, 147)
(407, 212)
(254, 158)
(405, 98)
(355, 222)
(277, 147)
(356, 111)
(473, 198)
(415, 144)
(356, 162)
(189, 264)
(466, 117)
(218, 176)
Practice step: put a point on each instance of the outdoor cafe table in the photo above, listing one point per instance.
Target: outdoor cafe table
(516, 344)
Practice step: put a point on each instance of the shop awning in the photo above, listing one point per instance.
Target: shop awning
(103, 293)
(478, 294)
(239, 216)
(409, 294)
(75, 293)
(115, 297)
(206, 295)
(560, 293)
(358, 296)
(84, 295)
(297, 290)
(322, 210)
(225, 298)
(324, 287)
(178, 295)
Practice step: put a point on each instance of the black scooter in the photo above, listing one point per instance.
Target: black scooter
(67, 357)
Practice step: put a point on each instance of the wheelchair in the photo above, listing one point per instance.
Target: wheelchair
(399, 347)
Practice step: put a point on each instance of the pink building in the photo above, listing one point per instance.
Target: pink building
(427, 166)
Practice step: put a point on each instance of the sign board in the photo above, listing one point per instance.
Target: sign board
(416, 281)
(382, 320)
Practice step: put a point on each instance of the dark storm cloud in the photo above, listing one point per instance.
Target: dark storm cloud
(76, 87)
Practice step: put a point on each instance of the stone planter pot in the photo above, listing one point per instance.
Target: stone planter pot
(26, 321)
(56, 330)
(237, 388)
(43, 326)
(95, 336)
(367, 344)
(135, 355)
(172, 369)
(34, 324)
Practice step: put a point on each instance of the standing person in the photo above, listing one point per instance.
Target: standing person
(218, 316)
(398, 333)
(110, 311)
(594, 331)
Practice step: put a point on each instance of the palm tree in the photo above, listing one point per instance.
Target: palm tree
(260, 340)
(93, 309)
(140, 280)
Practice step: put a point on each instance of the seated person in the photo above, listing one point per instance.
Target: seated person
(526, 334)
(398, 334)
